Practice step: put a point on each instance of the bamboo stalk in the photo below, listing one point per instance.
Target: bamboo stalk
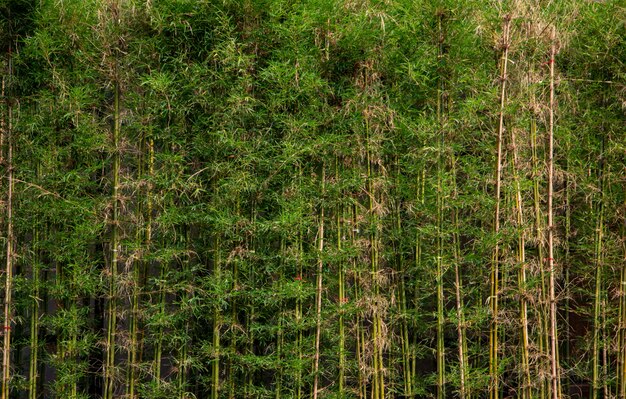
(521, 260)
(8, 286)
(300, 337)
(378, 385)
(318, 306)
(420, 198)
(539, 237)
(133, 349)
(184, 350)
(403, 272)
(360, 331)
(441, 381)
(566, 262)
(233, 315)
(342, 296)
(280, 338)
(249, 385)
(33, 375)
(495, 281)
(112, 300)
(458, 288)
(621, 373)
(598, 295)
(215, 362)
(554, 369)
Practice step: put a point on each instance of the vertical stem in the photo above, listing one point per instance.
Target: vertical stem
(598, 296)
(420, 198)
(463, 372)
(378, 386)
(521, 260)
(342, 295)
(554, 369)
(233, 314)
(440, 206)
(184, 350)
(249, 388)
(215, 363)
(495, 280)
(133, 349)
(318, 306)
(566, 262)
(360, 331)
(300, 336)
(621, 377)
(402, 271)
(8, 286)
(539, 237)
(112, 303)
(33, 375)
(280, 338)
(158, 349)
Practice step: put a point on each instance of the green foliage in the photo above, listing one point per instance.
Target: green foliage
(231, 113)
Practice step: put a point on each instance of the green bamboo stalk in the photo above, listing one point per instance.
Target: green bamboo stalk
(112, 302)
(280, 338)
(554, 363)
(251, 316)
(598, 293)
(217, 317)
(495, 280)
(300, 336)
(566, 262)
(8, 285)
(458, 285)
(621, 373)
(342, 296)
(441, 379)
(420, 198)
(111, 313)
(33, 375)
(318, 306)
(539, 238)
(158, 347)
(403, 272)
(605, 357)
(233, 315)
(378, 386)
(522, 283)
(183, 354)
(133, 348)
(360, 330)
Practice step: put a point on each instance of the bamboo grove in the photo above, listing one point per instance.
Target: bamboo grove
(313, 199)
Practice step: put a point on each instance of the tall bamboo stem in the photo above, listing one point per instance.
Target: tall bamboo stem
(441, 381)
(458, 289)
(33, 375)
(622, 318)
(521, 260)
(342, 295)
(598, 294)
(112, 300)
(403, 273)
(554, 369)
(215, 362)
(318, 306)
(8, 285)
(495, 280)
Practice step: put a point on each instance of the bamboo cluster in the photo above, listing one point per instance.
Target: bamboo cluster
(327, 199)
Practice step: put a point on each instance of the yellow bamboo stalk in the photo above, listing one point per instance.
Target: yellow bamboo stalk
(495, 281)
